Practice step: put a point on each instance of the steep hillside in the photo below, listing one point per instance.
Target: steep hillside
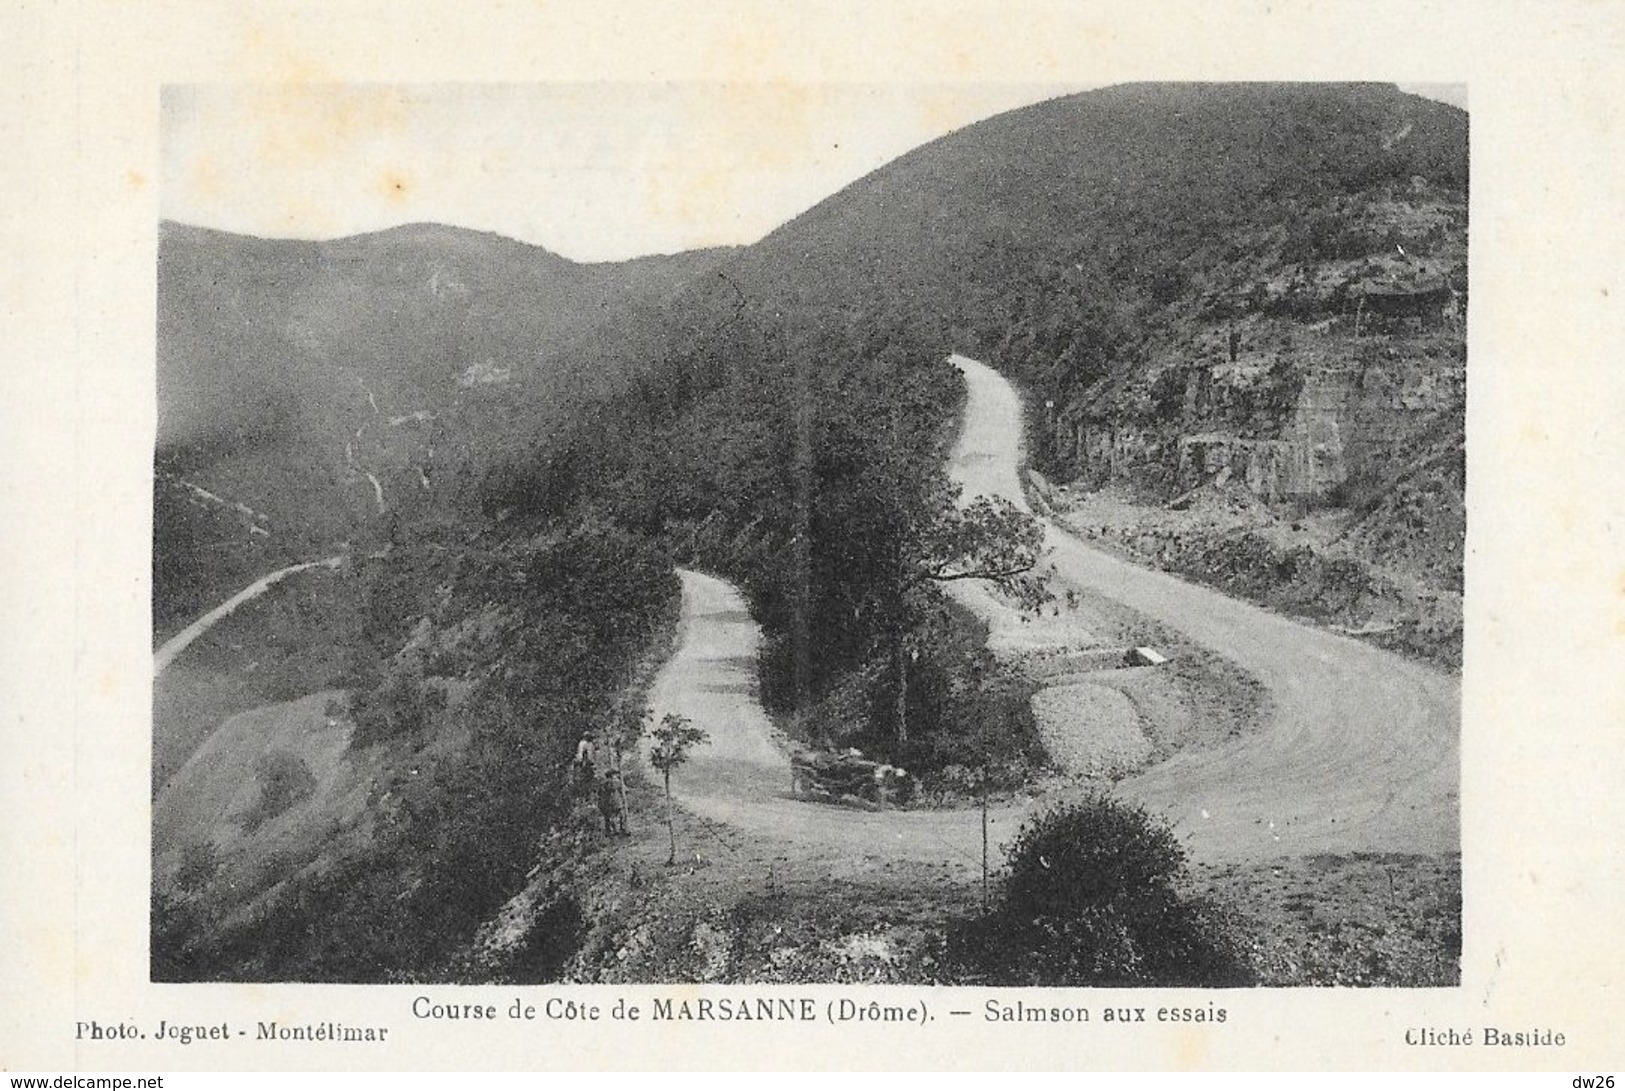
(1249, 287)
(1181, 271)
(1236, 311)
(327, 386)
(1137, 184)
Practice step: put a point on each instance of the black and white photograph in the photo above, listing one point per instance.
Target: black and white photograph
(1006, 536)
(580, 537)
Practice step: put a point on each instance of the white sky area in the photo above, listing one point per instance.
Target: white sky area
(595, 172)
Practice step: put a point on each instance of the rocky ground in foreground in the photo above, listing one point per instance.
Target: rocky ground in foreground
(732, 912)
(1361, 919)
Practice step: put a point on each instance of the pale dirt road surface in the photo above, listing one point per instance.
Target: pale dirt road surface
(178, 643)
(741, 777)
(1360, 752)
(1362, 749)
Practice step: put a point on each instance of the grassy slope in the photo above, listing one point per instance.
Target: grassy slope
(279, 647)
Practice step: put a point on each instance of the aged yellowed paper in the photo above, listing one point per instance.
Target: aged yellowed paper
(717, 124)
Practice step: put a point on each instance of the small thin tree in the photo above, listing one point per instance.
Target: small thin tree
(674, 738)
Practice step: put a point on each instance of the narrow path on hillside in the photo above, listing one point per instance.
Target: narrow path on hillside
(178, 643)
(1362, 750)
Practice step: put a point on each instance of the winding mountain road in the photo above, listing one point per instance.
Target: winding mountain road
(741, 777)
(1360, 752)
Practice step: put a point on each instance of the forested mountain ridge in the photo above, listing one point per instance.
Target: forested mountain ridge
(1087, 245)
(778, 414)
(247, 325)
(331, 385)
(1255, 287)
(1138, 184)
(1101, 249)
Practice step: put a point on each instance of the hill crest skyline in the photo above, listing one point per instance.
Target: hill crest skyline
(790, 195)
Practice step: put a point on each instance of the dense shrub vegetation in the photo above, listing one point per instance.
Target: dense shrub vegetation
(457, 826)
(1091, 895)
(805, 462)
(513, 487)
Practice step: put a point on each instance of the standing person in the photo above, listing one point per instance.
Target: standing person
(586, 764)
(611, 802)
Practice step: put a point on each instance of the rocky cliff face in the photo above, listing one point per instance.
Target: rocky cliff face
(1322, 393)
(1293, 428)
